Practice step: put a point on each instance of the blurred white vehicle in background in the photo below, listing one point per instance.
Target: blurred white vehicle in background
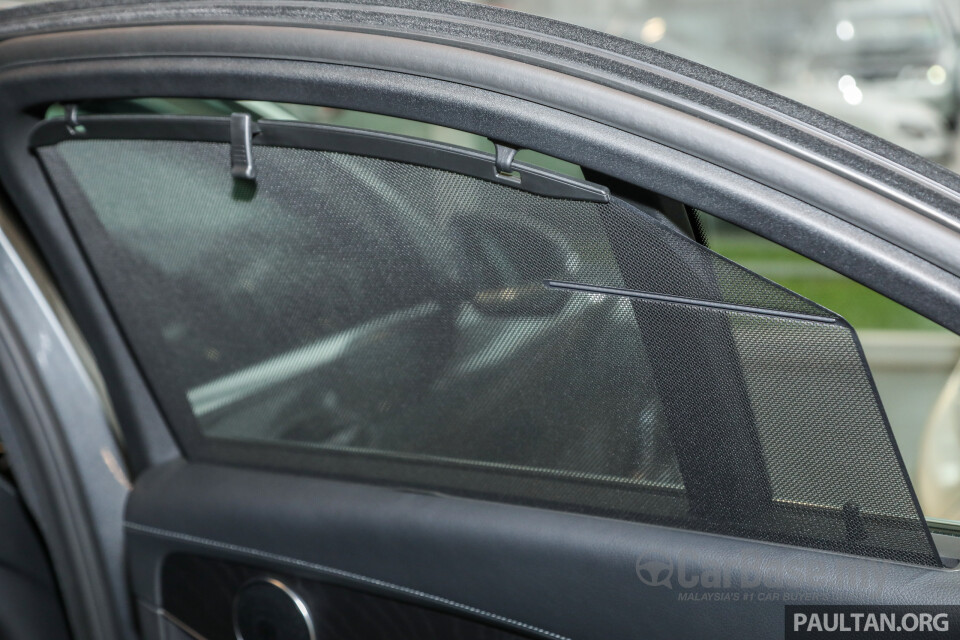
(913, 124)
(901, 48)
(885, 66)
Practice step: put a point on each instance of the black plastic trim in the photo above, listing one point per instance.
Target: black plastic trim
(320, 137)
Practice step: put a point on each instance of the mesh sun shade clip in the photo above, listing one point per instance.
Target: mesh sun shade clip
(71, 114)
(242, 130)
(853, 522)
(504, 158)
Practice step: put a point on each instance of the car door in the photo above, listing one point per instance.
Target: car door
(379, 385)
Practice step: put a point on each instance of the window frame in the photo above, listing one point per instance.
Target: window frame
(635, 153)
(520, 485)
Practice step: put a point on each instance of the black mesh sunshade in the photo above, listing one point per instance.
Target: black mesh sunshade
(403, 324)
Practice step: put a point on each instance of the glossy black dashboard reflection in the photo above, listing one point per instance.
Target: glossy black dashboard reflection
(199, 594)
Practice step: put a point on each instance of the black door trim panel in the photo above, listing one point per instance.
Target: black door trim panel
(339, 576)
(535, 566)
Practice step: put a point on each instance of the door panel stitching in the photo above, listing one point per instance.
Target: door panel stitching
(356, 577)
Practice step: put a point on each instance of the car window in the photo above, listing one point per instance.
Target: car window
(398, 320)
(913, 360)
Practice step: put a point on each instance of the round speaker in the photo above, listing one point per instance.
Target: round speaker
(267, 609)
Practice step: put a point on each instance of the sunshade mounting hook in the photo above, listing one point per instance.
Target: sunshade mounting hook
(71, 114)
(242, 130)
(504, 157)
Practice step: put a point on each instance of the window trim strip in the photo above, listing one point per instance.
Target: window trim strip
(321, 137)
(658, 297)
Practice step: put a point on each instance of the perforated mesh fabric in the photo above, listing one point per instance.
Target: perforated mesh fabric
(576, 354)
